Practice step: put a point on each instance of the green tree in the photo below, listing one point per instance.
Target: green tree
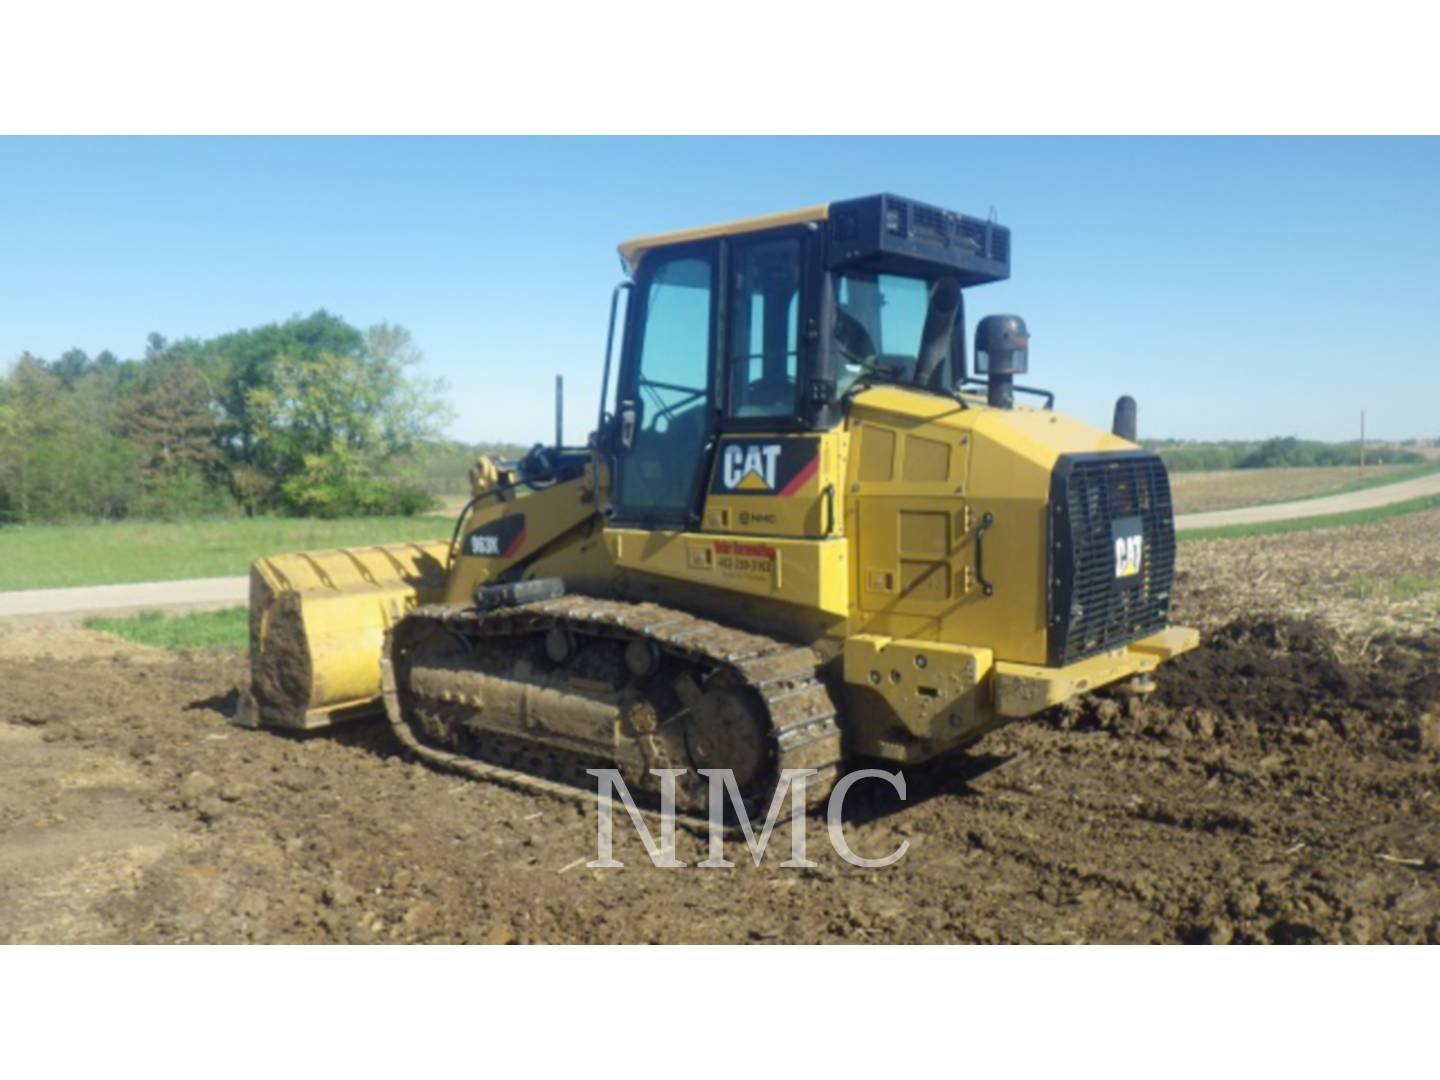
(309, 415)
(53, 464)
(34, 410)
(326, 425)
(169, 416)
(241, 363)
(71, 367)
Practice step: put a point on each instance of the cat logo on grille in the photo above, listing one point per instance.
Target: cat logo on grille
(1128, 538)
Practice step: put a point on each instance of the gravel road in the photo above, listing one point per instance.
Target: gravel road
(69, 604)
(1366, 499)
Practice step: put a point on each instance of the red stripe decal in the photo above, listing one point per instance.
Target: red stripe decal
(804, 474)
(515, 545)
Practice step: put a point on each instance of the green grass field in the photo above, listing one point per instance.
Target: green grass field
(56, 556)
(224, 629)
(1324, 521)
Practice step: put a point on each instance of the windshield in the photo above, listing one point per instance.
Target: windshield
(879, 323)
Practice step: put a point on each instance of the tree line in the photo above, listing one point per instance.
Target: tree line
(1286, 452)
(311, 416)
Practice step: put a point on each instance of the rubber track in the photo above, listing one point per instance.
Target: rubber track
(804, 723)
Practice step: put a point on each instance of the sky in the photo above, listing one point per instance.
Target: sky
(1237, 288)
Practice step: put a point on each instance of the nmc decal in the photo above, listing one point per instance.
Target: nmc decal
(764, 466)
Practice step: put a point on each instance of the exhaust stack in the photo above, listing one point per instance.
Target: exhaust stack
(1127, 420)
(939, 329)
(559, 411)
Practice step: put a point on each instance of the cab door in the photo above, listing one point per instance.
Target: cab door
(667, 392)
(774, 468)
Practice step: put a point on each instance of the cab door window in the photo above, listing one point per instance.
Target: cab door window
(668, 389)
(764, 339)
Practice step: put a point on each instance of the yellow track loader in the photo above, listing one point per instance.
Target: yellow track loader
(809, 528)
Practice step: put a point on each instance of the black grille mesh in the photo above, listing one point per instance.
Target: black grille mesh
(1090, 610)
(1000, 244)
(928, 222)
(974, 232)
(897, 218)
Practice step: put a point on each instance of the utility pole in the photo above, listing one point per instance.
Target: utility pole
(1362, 442)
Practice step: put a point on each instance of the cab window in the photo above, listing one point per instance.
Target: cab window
(668, 389)
(765, 328)
(879, 323)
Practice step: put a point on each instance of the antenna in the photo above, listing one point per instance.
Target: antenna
(559, 411)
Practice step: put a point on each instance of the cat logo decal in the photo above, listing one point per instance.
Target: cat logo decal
(768, 467)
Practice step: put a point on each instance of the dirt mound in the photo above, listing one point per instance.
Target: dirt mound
(1274, 669)
(21, 642)
(1285, 680)
(1267, 669)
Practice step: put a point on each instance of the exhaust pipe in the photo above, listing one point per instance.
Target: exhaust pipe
(559, 411)
(1127, 420)
(939, 332)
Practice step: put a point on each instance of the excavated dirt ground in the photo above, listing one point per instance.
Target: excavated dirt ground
(1281, 787)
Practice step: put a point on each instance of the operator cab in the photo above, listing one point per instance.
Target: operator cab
(769, 324)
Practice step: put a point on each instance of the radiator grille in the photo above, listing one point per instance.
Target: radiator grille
(1091, 609)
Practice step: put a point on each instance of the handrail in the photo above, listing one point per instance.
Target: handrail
(624, 286)
(985, 522)
(1048, 395)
